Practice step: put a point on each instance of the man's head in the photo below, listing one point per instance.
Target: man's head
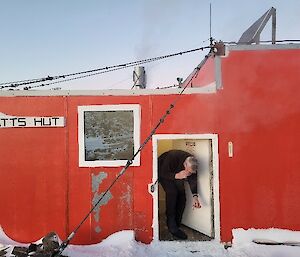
(190, 165)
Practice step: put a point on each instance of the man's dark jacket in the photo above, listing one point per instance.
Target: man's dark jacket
(170, 163)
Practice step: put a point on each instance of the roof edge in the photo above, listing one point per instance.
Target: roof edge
(263, 47)
(208, 89)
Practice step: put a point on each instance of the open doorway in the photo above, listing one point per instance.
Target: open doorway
(199, 224)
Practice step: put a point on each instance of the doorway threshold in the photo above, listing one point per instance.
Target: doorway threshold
(193, 235)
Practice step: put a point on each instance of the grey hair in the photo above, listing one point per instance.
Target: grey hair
(192, 162)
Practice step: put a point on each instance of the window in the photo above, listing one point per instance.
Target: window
(109, 135)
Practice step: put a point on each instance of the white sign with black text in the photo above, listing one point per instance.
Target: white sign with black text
(7, 121)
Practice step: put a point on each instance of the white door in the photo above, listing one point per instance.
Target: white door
(199, 219)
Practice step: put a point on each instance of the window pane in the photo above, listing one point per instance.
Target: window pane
(108, 135)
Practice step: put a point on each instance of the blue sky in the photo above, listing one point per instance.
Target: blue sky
(41, 38)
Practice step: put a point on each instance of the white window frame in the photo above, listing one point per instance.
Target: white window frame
(136, 134)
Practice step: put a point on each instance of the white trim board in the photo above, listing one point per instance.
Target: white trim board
(215, 152)
(207, 89)
(242, 47)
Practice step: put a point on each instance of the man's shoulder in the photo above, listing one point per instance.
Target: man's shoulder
(175, 153)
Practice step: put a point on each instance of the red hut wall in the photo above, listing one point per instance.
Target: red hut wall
(259, 111)
(33, 189)
(43, 188)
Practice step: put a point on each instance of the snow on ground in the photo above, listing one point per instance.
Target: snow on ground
(123, 244)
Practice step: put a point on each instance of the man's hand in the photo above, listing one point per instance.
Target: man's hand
(181, 175)
(196, 203)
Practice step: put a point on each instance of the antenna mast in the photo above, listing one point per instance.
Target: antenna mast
(210, 37)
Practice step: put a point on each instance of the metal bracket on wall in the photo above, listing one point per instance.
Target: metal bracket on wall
(152, 187)
(252, 34)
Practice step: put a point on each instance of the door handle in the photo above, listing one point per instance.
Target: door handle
(152, 187)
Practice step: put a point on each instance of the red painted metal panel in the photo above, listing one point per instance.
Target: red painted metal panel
(206, 75)
(118, 213)
(193, 114)
(259, 112)
(33, 171)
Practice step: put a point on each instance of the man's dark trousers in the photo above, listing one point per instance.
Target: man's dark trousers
(175, 202)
